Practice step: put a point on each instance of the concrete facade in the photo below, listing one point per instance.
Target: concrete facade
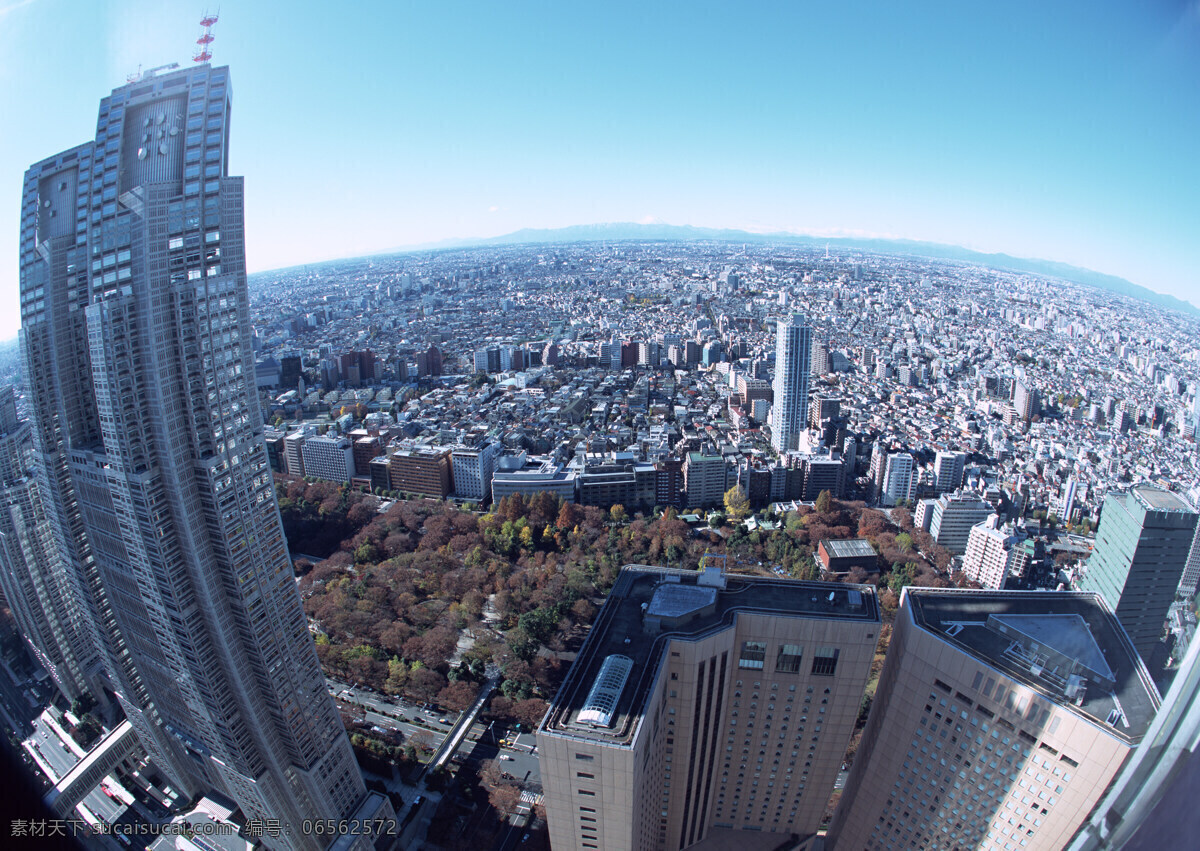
(994, 725)
(740, 698)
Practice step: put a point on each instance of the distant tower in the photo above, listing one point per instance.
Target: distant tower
(793, 356)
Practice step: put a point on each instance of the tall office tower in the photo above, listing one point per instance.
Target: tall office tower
(1142, 548)
(32, 574)
(136, 340)
(999, 720)
(899, 479)
(793, 352)
(705, 705)
(948, 469)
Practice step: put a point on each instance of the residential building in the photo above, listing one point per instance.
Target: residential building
(1026, 401)
(948, 470)
(789, 413)
(293, 452)
(137, 346)
(1000, 719)
(704, 480)
(899, 479)
(1142, 548)
(473, 467)
(705, 705)
(990, 552)
(952, 518)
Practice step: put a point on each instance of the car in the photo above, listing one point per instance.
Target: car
(505, 756)
(443, 721)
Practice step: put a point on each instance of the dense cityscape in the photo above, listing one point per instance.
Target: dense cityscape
(625, 536)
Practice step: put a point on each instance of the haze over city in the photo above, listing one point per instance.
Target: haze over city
(1063, 132)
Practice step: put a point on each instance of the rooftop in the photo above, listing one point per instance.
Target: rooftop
(649, 606)
(853, 548)
(1157, 499)
(1066, 645)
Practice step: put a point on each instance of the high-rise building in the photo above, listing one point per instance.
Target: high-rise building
(329, 458)
(899, 479)
(952, 517)
(704, 479)
(793, 353)
(136, 343)
(705, 705)
(1142, 548)
(999, 720)
(1026, 401)
(472, 468)
(948, 468)
(32, 574)
(991, 551)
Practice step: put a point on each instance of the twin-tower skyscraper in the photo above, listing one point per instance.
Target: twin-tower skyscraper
(149, 458)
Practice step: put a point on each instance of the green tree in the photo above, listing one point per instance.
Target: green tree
(824, 502)
(904, 542)
(737, 504)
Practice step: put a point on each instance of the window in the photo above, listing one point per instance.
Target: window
(753, 654)
(788, 659)
(825, 661)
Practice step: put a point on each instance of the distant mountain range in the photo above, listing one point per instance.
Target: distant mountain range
(629, 231)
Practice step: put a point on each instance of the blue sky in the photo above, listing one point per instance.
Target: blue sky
(1067, 130)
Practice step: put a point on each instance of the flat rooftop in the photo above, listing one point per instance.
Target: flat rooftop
(629, 625)
(1157, 499)
(853, 548)
(1066, 645)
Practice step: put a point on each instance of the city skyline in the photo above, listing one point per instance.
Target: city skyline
(1062, 136)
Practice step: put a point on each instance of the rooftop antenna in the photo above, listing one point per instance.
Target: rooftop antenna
(135, 76)
(203, 53)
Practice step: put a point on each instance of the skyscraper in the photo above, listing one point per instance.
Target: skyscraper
(899, 479)
(948, 470)
(705, 705)
(793, 355)
(136, 340)
(999, 720)
(1142, 548)
(32, 575)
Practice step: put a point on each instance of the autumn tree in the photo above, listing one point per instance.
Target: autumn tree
(458, 696)
(737, 504)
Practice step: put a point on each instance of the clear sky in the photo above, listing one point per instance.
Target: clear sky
(1061, 130)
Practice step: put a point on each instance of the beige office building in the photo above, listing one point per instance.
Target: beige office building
(999, 721)
(706, 706)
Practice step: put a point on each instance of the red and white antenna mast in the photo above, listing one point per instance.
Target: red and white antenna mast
(203, 52)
